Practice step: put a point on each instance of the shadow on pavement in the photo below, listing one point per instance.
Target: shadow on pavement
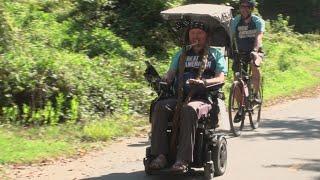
(297, 128)
(140, 175)
(307, 165)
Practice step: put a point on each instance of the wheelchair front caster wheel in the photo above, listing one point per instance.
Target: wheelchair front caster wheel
(208, 171)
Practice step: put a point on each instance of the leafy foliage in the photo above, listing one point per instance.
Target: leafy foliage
(42, 83)
(281, 24)
(71, 61)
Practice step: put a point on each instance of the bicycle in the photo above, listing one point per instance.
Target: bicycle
(242, 99)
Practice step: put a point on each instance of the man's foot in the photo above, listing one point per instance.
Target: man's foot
(158, 163)
(239, 116)
(179, 167)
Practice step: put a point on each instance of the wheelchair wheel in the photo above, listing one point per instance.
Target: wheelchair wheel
(219, 157)
(234, 106)
(255, 113)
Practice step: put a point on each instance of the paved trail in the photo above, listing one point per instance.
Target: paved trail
(286, 146)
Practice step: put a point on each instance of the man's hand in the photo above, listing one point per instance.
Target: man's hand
(256, 59)
(165, 78)
(169, 76)
(196, 82)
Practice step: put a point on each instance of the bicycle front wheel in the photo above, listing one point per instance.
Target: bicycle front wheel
(236, 99)
(255, 111)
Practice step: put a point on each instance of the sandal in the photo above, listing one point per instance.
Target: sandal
(180, 167)
(158, 163)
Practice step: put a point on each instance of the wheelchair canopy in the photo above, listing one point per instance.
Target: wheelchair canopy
(216, 17)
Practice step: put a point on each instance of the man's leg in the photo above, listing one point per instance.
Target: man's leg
(238, 93)
(255, 78)
(160, 116)
(255, 67)
(190, 115)
(235, 68)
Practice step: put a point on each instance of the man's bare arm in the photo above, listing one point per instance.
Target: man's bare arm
(258, 41)
(218, 78)
(169, 76)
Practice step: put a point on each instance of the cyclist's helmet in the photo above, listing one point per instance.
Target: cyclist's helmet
(252, 3)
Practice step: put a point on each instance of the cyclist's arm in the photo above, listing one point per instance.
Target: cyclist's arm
(261, 28)
(258, 41)
(233, 25)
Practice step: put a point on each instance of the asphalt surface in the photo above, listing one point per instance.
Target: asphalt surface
(286, 146)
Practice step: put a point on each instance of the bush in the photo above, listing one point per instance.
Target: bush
(281, 24)
(53, 72)
(66, 62)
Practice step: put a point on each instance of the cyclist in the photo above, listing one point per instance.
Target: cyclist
(248, 30)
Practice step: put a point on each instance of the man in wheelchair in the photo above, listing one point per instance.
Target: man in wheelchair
(193, 69)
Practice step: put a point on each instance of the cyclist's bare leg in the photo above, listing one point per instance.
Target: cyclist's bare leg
(256, 74)
(237, 93)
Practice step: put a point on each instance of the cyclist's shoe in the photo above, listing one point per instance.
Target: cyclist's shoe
(239, 116)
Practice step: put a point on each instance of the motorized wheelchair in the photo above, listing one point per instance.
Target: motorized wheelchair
(210, 147)
(210, 150)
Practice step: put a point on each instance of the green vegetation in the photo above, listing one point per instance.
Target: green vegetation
(20, 145)
(113, 127)
(35, 144)
(292, 62)
(72, 71)
(54, 69)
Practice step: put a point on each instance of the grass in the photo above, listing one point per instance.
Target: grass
(25, 145)
(291, 64)
(28, 150)
(109, 128)
(35, 144)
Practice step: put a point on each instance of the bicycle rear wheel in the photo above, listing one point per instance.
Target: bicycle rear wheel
(255, 111)
(234, 106)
